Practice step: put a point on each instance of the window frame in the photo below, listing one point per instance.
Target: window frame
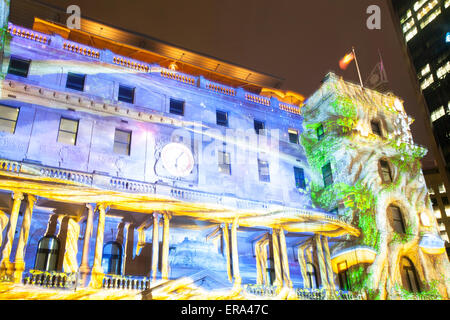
(328, 177)
(262, 129)
(224, 164)
(75, 75)
(48, 254)
(293, 132)
(377, 124)
(385, 169)
(173, 110)
(220, 123)
(126, 99)
(301, 185)
(129, 132)
(397, 219)
(13, 131)
(116, 258)
(14, 58)
(320, 132)
(261, 165)
(65, 131)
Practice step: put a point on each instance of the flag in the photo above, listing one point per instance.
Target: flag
(377, 79)
(345, 61)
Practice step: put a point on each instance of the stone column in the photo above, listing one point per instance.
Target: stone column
(84, 267)
(19, 262)
(260, 270)
(234, 254)
(5, 265)
(226, 240)
(328, 263)
(284, 259)
(97, 272)
(302, 263)
(321, 260)
(155, 245)
(276, 259)
(3, 223)
(165, 248)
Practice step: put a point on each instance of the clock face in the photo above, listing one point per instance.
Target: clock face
(177, 159)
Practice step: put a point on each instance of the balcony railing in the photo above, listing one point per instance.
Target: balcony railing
(54, 280)
(125, 282)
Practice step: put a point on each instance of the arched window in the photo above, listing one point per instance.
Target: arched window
(409, 276)
(112, 258)
(47, 254)
(311, 275)
(385, 171)
(396, 218)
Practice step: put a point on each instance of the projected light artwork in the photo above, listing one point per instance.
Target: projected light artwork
(126, 179)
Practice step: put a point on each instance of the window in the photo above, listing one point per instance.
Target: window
(263, 170)
(75, 81)
(47, 254)
(311, 276)
(259, 126)
(320, 132)
(386, 175)
(122, 142)
(8, 119)
(344, 283)
(293, 136)
(112, 258)
(327, 175)
(438, 113)
(299, 178)
(409, 276)
(224, 162)
(126, 94)
(19, 67)
(397, 219)
(176, 107)
(375, 125)
(222, 118)
(68, 130)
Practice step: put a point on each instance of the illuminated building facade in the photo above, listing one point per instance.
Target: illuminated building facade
(424, 27)
(120, 178)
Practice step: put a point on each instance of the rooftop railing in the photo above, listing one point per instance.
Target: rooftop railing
(106, 56)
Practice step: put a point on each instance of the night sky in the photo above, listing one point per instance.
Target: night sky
(297, 40)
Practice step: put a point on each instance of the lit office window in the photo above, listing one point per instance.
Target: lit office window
(126, 94)
(408, 25)
(19, 67)
(447, 4)
(438, 113)
(176, 107)
(406, 16)
(427, 82)
(68, 130)
(425, 70)
(419, 4)
(430, 191)
(444, 236)
(443, 70)
(441, 226)
(411, 34)
(75, 81)
(122, 142)
(263, 171)
(437, 214)
(327, 175)
(299, 175)
(224, 162)
(430, 18)
(293, 136)
(441, 188)
(222, 118)
(8, 119)
(423, 12)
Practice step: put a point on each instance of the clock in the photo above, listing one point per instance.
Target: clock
(177, 159)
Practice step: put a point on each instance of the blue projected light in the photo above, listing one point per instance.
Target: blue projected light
(447, 37)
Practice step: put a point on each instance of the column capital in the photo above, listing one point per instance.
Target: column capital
(156, 215)
(102, 206)
(31, 198)
(17, 195)
(167, 215)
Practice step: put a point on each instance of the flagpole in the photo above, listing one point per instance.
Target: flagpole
(357, 67)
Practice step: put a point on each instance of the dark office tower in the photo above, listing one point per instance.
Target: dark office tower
(425, 24)
(425, 27)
